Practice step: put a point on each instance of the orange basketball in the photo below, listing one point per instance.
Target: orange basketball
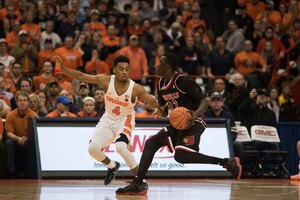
(179, 118)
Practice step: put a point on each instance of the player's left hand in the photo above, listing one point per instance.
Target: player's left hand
(162, 112)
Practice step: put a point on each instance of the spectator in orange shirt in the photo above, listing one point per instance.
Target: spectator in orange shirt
(154, 60)
(292, 14)
(9, 85)
(33, 30)
(62, 81)
(88, 108)
(247, 61)
(195, 20)
(12, 37)
(62, 108)
(186, 10)
(16, 126)
(46, 54)
(254, 8)
(42, 80)
(135, 27)
(95, 24)
(71, 56)
(10, 13)
(111, 41)
(96, 66)
(137, 58)
(272, 15)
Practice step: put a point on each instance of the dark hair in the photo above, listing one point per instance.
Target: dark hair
(119, 59)
(2, 64)
(18, 86)
(99, 88)
(172, 60)
(127, 6)
(16, 62)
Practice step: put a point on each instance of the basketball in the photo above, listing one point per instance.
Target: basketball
(179, 118)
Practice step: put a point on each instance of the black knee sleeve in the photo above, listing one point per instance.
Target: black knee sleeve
(123, 138)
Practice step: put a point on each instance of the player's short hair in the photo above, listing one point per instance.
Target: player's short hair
(172, 60)
(121, 58)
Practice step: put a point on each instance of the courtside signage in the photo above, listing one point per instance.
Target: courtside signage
(66, 149)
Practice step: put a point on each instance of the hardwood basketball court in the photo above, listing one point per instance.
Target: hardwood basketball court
(159, 189)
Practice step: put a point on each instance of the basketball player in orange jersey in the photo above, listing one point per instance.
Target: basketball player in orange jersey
(178, 90)
(118, 121)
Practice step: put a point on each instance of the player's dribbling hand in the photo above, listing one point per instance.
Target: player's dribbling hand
(163, 110)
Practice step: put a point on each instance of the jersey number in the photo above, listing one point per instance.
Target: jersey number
(116, 110)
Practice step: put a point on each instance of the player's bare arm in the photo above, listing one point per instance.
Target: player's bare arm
(96, 79)
(140, 92)
(201, 109)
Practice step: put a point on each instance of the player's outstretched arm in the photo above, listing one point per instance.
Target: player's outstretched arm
(141, 93)
(98, 79)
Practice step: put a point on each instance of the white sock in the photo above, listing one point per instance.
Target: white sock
(111, 165)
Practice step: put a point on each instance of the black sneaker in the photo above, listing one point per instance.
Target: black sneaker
(234, 167)
(111, 174)
(134, 188)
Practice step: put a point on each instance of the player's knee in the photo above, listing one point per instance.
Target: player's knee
(121, 147)
(180, 156)
(93, 149)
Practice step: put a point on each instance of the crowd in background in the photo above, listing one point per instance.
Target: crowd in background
(240, 49)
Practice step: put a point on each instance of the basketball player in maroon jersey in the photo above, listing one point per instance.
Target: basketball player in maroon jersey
(176, 89)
